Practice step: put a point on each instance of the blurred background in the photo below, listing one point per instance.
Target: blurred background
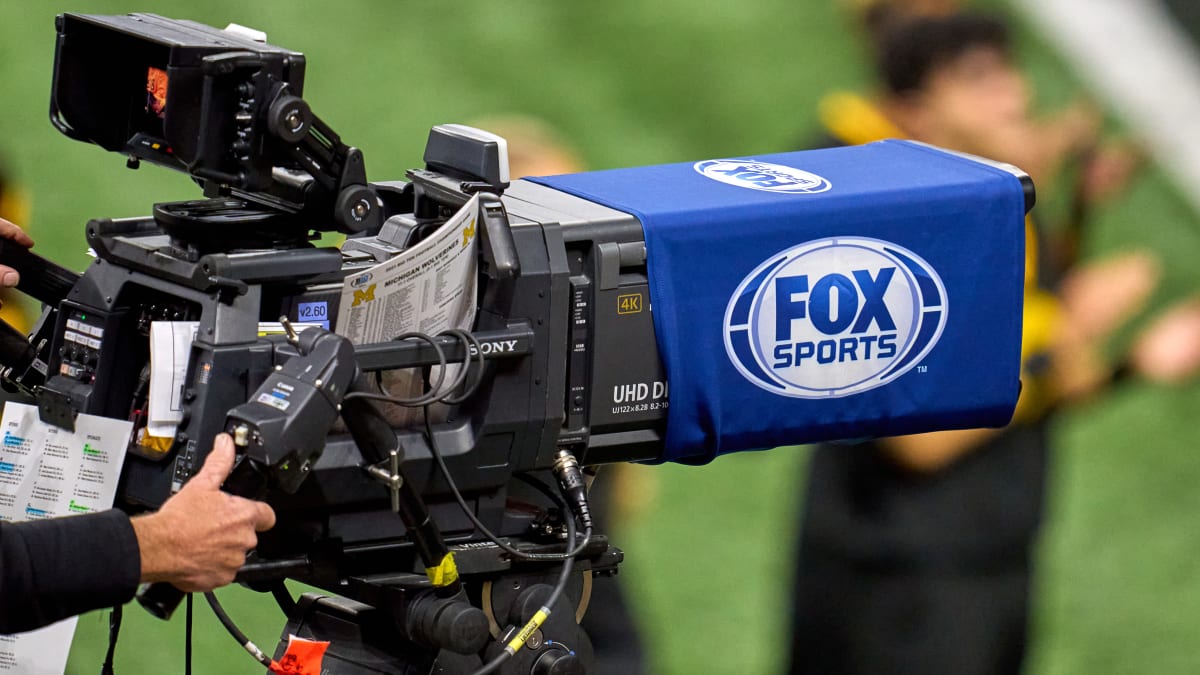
(708, 549)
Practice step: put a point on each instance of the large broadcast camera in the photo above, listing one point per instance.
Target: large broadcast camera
(796, 298)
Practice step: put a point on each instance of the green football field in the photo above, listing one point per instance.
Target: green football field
(630, 83)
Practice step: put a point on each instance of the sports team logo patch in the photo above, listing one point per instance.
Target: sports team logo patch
(764, 176)
(834, 317)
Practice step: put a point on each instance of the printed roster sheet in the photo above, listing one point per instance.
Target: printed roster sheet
(47, 472)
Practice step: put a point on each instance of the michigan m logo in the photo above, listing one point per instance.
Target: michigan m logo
(363, 295)
(468, 233)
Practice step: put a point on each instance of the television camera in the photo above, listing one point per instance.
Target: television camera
(485, 566)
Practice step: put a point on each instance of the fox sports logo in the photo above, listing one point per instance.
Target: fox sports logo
(763, 176)
(834, 317)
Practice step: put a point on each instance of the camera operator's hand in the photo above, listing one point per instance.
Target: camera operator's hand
(200, 536)
(9, 276)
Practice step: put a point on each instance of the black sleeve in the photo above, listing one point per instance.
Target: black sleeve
(55, 568)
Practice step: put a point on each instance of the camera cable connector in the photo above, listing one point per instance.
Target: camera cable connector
(574, 486)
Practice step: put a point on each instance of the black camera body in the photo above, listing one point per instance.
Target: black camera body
(226, 110)
(242, 256)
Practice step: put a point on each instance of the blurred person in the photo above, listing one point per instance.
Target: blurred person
(991, 117)
(537, 149)
(915, 552)
(876, 16)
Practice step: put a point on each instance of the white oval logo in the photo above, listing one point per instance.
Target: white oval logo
(834, 317)
(763, 176)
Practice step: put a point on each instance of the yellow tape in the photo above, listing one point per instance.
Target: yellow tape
(154, 446)
(530, 628)
(445, 573)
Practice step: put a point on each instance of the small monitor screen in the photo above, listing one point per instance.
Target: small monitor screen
(156, 92)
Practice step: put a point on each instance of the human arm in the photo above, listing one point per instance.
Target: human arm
(1094, 301)
(927, 453)
(55, 568)
(1169, 349)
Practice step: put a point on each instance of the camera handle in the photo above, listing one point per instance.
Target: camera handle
(41, 279)
(23, 358)
(280, 431)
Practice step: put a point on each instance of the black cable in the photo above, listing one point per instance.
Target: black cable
(114, 630)
(568, 558)
(545, 488)
(283, 598)
(542, 487)
(424, 399)
(533, 624)
(461, 376)
(568, 561)
(470, 346)
(469, 341)
(439, 391)
(236, 632)
(187, 637)
(429, 396)
(483, 529)
(140, 391)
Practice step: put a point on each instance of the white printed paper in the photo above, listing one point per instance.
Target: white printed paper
(427, 288)
(47, 472)
(39, 652)
(170, 349)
